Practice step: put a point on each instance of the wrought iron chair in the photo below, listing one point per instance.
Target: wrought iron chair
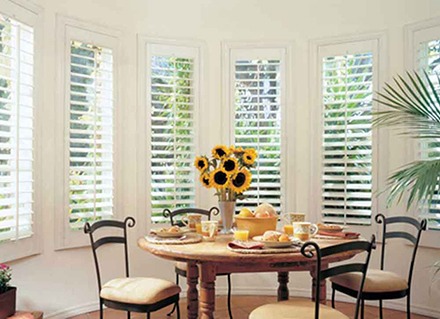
(303, 309)
(129, 294)
(181, 267)
(380, 284)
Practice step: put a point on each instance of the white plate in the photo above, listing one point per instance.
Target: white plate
(276, 244)
(165, 234)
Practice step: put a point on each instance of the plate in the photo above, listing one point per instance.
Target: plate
(165, 234)
(276, 244)
(331, 228)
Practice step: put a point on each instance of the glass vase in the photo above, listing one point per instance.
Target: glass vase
(227, 212)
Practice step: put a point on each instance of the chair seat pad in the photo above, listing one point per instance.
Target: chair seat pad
(295, 309)
(181, 265)
(376, 281)
(140, 291)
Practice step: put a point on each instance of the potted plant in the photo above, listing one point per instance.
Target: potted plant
(7, 293)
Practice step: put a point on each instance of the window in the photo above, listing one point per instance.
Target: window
(89, 59)
(427, 59)
(90, 133)
(172, 100)
(348, 174)
(256, 99)
(18, 199)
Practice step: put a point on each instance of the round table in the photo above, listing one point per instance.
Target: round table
(206, 259)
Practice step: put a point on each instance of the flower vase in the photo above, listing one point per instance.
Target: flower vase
(227, 212)
(7, 302)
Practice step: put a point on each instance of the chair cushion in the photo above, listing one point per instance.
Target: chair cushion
(141, 291)
(181, 265)
(295, 309)
(375, 281)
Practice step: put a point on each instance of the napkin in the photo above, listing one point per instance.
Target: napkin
(245, 245)
(342, 235)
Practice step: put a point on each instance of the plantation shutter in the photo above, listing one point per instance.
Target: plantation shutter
(16, 129)
(257, 119)
(90, 133)
(428, 60)
(347, 144)
(172, 101)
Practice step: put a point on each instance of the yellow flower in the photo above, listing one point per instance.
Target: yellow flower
(249, 156)
(201, 163)
(205, 179)
(230, 165)
(220, 151)
(241, 181)
(237, 150)
(219, 179)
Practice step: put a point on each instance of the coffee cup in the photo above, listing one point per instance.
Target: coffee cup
(209, 229)
(304, 230)
(294, 217)
(190, 220)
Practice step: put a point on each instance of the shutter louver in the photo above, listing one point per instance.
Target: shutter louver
(428, 60)
(172, 133)
(347, 88)
(258, 125)
(90, 133)
(16, 129)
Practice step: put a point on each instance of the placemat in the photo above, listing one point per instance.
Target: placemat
(188, 238)
(293, 249)
(317, 236)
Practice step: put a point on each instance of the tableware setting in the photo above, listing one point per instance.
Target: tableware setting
(334, 231)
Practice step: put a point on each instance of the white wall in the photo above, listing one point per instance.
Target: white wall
(63, 283)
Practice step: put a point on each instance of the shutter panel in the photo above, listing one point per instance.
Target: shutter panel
(428, 60)
(16, 129)
(347, 88)
(172, 132)
(258, 125)
(90, 134)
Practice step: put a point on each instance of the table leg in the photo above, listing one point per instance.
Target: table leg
(322, 285)
(207, 290)
(283, 291)
(192, 295)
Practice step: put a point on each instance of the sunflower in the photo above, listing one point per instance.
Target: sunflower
(220, 151)
(241, 181)
(205, 179)
(201, 163)
(219, 179)
(249, 156)
(230, 165)
(236, 150)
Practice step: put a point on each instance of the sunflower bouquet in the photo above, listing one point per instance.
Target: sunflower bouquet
(228, 171)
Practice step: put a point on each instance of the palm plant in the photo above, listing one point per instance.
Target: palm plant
(414, 110)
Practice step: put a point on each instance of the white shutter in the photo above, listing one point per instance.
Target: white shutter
(347, 144)
(257, 124)
(16, 129)
(90, 133)
(428, 60)
(172, 100)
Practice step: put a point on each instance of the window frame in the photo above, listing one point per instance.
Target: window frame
(262, 50)
(414, 34)
(380, 140)
(31, 15)
(144, 109)
(68, 29)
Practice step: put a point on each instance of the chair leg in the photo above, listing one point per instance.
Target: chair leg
(362, 308)
(101, 310)
(408, 307)
(229, 296)
(380, 310)
(148, 315)
(128, 315)
(333, 297)
(177, 309)
(174, 307)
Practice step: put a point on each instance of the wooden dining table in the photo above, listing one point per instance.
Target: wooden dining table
(207, 259)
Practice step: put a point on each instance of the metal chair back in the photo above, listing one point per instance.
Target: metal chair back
(214, 211)
(323, 274)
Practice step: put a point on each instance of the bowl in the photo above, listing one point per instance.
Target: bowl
(256, 226)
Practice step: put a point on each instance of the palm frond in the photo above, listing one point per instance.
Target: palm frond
(419, 179)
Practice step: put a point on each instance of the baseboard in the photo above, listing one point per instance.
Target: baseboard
(294, 292)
